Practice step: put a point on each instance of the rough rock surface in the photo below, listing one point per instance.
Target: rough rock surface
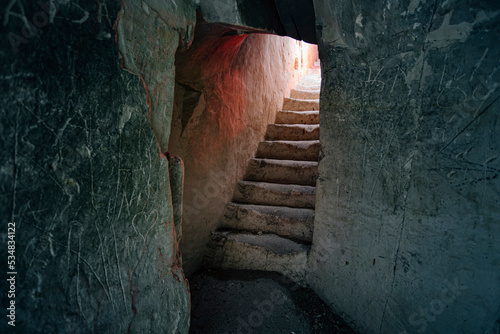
(407, 211)
(84, 180)
(292, 223)
(294, 18)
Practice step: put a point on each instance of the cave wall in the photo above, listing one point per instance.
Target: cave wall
(293, 18)
(82, 174)
(228, 88)
(407, 222)
(407, 228)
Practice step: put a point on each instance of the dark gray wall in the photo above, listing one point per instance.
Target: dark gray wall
(294, 18)
(407, 218)
(83, 178)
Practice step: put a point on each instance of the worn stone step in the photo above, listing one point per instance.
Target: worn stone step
(267, 252)
(300, 105)
(304, 94)
(282, 171)
(308, 87)
(297, 117)
(311, 79)
(292, 132)
(316, 71)
(307, 150)
(275, 194)
(292, 223)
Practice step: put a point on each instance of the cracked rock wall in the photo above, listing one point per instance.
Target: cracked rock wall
(82, 174)
(407, 228)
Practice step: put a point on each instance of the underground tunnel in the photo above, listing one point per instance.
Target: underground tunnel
(133, 134)
(230, 90)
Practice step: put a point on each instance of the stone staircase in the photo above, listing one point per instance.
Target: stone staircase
(268, 225)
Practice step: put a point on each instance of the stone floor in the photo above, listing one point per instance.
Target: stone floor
(251, 302)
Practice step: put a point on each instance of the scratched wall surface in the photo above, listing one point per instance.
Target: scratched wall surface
(407, 227)
(83, 178)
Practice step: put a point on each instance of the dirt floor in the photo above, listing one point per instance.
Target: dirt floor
(249, 302)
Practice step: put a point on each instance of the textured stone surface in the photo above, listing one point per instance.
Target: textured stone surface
(306, 150)
(292, 223)
(282, 171)
(228, 89)
(147, 38)
(297, 117)
(176, 174)
(267, 252)
(300, 104)
(407, 218)
(292, 195)
(83, 177)
(292, 132)
(301, 94)
(294, 18)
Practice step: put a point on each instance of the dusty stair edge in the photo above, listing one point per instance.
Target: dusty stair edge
(275, 194)
(296, 224)
(282, 171)
(292, 132)
(306, 150)
(297, 117)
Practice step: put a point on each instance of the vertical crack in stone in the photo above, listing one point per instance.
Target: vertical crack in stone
(434, 10)
(396, 254)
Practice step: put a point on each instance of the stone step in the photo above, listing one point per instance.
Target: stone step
(282, 171)
(304, 94)
(246, 251)
(297, 117)
(292, 132)
(311, 80)
(275, 194)
(307, 150)
(300, 105)
(316, 71)
(310, 88)
(291, 223)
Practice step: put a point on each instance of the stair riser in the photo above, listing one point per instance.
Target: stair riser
(251, 194)
(309, 88)
(309, 81)
(284, 117)
(300, 105)
(277, 150)
(277, 132)
(296, 227)
(301, 94)
(261, 171)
